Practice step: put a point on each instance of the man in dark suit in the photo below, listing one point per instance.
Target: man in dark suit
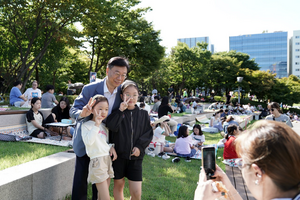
(116, 72)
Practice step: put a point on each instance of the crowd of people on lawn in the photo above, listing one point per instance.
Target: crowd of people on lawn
(113, 130)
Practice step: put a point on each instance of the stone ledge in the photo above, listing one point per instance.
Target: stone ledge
(46, 178)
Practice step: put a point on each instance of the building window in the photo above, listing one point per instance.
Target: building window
(297, 43)
(297, 49)
(297, 63)
(297, 36)
(297, 56)
(297, 70)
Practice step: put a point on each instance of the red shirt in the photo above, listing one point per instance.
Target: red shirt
(229, 149)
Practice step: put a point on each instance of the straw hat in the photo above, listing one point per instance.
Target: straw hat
(162, 119)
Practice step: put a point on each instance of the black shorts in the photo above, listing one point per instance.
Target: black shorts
(36, 132)
(131, 169)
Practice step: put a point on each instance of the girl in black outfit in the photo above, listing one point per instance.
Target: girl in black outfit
(131, 133)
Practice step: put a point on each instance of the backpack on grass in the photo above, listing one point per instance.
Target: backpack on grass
(7, 137)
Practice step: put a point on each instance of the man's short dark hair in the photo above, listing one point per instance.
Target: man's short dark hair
(118, 61)
(156, 97)
(49, 87)
(17, 83)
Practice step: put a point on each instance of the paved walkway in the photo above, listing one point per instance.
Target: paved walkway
(296, 127)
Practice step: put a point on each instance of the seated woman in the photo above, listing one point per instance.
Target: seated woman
(163, 109)
(229, 120)
(229, 148)
(59, 112)
(276, 114)
(180, 106)
(35, 120)
(184, 145)
(161, 131)
(198, 136)
(216, 122)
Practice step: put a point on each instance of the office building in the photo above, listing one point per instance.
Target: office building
(270, 50)
(191, 42)
(294, 54)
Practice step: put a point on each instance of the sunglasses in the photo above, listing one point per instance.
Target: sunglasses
(272, 109)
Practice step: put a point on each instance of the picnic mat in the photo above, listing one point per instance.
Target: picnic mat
(52, 140)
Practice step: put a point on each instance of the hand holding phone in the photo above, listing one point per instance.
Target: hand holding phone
(209, 161)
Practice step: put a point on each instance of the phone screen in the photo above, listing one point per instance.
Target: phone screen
(209, 161)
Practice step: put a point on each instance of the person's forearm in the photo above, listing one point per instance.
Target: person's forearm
(233, 194)
(37, 125)
(23, 97)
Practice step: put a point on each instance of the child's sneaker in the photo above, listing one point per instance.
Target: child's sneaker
(165, 157)
(161, 154)
(188, 159)
(172, 135)
(152, 154)
(175, 160)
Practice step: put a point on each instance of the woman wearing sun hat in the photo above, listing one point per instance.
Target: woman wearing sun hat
(161, 131)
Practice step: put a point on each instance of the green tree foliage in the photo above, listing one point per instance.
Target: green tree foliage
(36, 38)
(261, 84)
(223, 73)
(30, 26)
(286, 90)
(120, 30)
(241, 57)
(187, 65)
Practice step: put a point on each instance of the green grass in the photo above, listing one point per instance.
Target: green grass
(178, 114)
(16, 153)
(162, 179)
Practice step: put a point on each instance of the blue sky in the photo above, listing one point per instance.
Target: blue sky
(219, 19)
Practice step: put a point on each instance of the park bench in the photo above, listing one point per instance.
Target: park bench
(235, 176)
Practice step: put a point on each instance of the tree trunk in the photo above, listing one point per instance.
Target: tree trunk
(37, 78)
(92, 57)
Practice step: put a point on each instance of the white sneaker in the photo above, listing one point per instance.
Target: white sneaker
(172, 135)
(152, 154)
(165, 157)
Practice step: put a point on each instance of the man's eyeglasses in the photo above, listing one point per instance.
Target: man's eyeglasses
(117, 74)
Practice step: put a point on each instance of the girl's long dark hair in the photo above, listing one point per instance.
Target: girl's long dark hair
(67, 109)
(182, 132)
(164, 101)
(230, 129)
(199, 128)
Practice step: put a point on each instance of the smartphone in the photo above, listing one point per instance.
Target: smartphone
(209, 161)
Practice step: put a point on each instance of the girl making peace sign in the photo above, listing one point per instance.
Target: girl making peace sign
(95, 137)
(131, 133)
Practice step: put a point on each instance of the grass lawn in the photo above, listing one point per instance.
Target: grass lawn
(16, 153)
(162, 179)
